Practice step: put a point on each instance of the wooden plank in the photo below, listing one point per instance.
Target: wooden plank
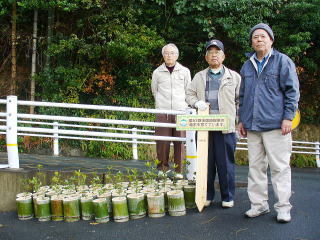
(202, 165)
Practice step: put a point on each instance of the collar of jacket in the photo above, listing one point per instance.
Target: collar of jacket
(250, 54)
(225, 77)
(163, 67)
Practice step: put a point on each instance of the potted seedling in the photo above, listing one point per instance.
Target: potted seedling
(119, 200)
(86, 203)
(71, 208)
(56, 182)
(24, 201)
(108, 177)
(156, 201)
(150, 175)
(71, 201)
(43, 209)
(40, 202)
(96, 182)
(176, 184)
(100, 208)
(80, 181)
(120, 209)
(176, 204)
(119, 189)
(26, 188)
(136, 201)
(56, 202)
(190, 191)
(38, 180)
(69, 187)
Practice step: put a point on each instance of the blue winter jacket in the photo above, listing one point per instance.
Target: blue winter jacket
(270, 97)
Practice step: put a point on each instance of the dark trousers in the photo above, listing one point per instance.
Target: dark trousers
(221, 159)
(163, 147)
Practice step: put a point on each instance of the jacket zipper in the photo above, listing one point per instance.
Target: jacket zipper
(171, 87)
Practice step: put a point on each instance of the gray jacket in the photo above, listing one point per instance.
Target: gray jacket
(228, 95)
(270, 97)
(169, 89)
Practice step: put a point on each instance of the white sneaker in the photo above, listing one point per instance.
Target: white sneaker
(229, 204)
(254, 212)
(208, 203)
(283, 217)
(179, 176)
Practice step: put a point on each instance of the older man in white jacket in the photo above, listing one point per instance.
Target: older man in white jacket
(169, 83)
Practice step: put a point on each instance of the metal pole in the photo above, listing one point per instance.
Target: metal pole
(318, 154)
(55, 139)
(191, 150)
(12, 145)
(134, 144)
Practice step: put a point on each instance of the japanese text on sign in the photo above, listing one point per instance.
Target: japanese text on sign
(216, 122)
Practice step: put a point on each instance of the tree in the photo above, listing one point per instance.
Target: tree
(13, 48)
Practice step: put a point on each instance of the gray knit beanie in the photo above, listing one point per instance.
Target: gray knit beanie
(264, 27)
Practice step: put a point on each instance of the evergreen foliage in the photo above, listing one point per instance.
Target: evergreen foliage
(104, 52)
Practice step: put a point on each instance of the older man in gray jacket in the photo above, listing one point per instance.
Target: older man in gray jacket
(169, 83)
(219, 86)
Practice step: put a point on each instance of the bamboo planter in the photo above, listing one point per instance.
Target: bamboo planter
(108, 197)
(24, 207)
(87, 212)
(57, 207)
(101, 202)
(156, 205)
(43, 209)
(34, 200)
(120, 209)
(71, 209)
(100, 207)
(164, 190)
(189, 196)
(145, 192)
(176, 203)
(136, 205)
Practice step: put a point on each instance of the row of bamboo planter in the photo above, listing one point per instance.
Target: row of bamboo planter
(102, 203)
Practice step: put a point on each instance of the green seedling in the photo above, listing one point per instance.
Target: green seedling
(80, 178)
(56, 181)
(38, 180)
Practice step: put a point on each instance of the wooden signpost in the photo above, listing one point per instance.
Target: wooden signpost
(202, 165)
(203, 122)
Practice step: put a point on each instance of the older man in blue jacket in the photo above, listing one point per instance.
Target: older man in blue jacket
(269, 96)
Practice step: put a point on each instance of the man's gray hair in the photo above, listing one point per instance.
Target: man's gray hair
(170, 45)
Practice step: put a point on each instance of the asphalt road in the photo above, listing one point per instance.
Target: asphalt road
(213, 223)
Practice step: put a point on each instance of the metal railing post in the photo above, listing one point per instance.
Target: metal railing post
(318, 154)
(191, 150)
(12, 144)
(134, 144)
(56, 139)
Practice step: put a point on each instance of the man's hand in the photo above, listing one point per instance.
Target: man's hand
(242, 130)
(201, 105)
(286, 126)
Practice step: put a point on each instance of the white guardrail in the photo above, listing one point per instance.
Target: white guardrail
(130, 132)
(80, 128)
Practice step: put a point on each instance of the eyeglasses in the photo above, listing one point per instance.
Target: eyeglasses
(215, 53)
(169, 53)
